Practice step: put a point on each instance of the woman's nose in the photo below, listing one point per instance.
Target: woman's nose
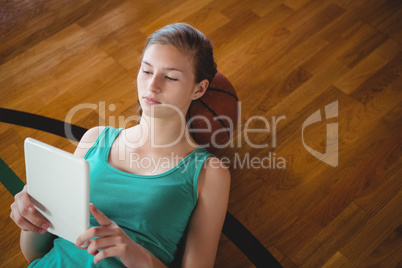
(154, 85)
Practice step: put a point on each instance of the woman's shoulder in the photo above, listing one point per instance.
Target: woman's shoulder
(214, 166)
(214, 175)
(88, 140)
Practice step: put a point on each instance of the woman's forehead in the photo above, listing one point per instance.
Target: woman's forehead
(168, 57)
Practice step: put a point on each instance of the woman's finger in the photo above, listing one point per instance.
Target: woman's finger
(24, 224)
(114, 251)
(25, 208)
(101, 244)
(85, 237)
(99, 216)
(29, 213)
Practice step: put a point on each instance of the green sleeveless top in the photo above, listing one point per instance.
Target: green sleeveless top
(153, 210)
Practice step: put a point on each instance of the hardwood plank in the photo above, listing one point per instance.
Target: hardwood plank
(338, 260)
(226, 251)
(392, 26)
(360, 73)
(284, 261)
(306, 194)
(383, 11)
(389, 49)
(35, 62)
(388, 253)
(335, 235)
(15, 37)
(367, 240)
(174, 15)
(393, 119)
(246, 42)
(296, 4)
(384, 81)
(364, 178)
(297, 236)
(263, 8)
(286, 41)
(82, 12)
(375, 197)
(256, 210)
(241, 23)
(208, 18)
(363, 47)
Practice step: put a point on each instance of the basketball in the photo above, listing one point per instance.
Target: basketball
(212, 118)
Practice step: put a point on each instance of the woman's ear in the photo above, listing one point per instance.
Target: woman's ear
(201, 88)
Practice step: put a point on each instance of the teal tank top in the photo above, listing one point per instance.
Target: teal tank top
(153, 210)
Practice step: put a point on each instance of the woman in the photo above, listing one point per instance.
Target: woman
(178, 196)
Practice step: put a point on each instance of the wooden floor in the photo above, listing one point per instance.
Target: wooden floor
(285, 58)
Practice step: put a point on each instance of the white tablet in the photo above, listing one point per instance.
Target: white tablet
(58, 183)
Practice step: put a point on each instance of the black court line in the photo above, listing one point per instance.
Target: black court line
(248, 243)
(40, 122)
(232, 228)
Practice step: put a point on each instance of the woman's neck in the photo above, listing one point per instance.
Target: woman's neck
(157, 133)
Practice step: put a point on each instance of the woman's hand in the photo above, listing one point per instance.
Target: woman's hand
(24, 214)
(113, 242)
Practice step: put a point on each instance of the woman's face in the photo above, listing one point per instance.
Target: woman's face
(165, 81)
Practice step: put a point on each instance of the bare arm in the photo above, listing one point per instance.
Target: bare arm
(34, 245)
(207, 221)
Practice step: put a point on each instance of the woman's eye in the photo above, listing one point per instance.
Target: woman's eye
(146, 72)
(170, 78)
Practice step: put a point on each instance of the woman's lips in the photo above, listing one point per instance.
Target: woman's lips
(151, 101)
